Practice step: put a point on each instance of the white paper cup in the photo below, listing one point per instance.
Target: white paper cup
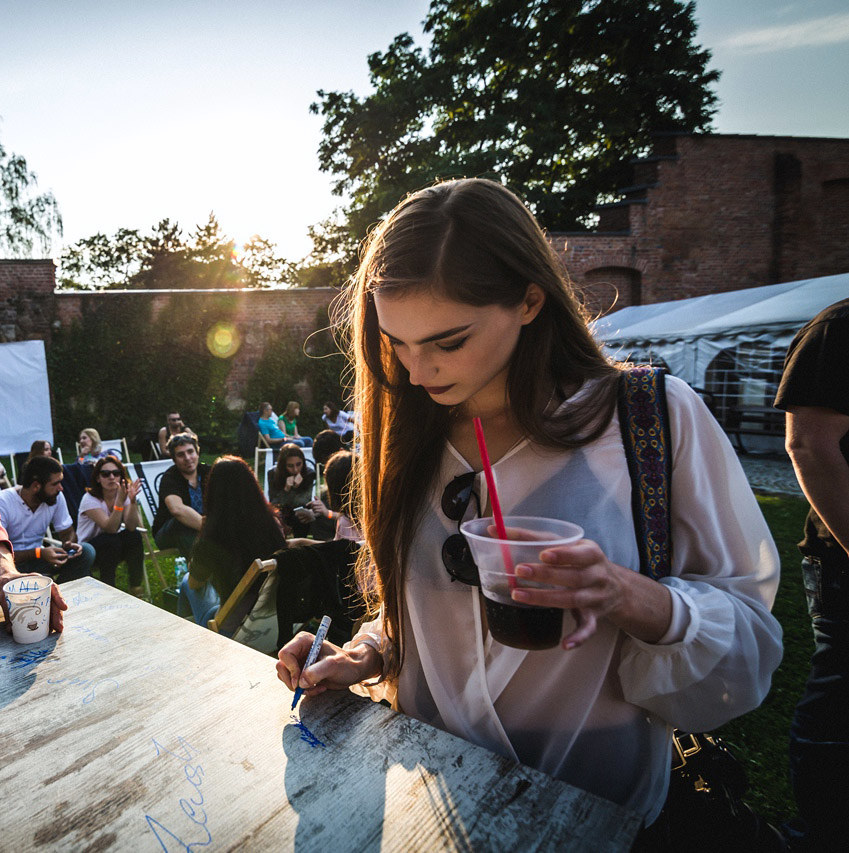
(523, 626)
(28, 599)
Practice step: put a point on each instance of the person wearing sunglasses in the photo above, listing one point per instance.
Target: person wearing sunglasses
(108, 520)
(461, 309)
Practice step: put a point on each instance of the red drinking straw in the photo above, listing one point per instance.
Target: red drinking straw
(496, 506)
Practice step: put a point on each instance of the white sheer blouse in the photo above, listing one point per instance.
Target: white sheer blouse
(599, 716)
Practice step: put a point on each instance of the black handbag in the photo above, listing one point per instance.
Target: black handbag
(704, 809)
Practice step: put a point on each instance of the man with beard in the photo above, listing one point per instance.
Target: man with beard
(28, 510)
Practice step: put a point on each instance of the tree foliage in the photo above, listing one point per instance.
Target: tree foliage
(119, 369)
(27, 218)
(553, 99)
(166, 259)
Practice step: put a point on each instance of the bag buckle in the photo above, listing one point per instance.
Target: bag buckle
(687, 745)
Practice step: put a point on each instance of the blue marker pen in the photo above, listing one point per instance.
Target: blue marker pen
(314, 650)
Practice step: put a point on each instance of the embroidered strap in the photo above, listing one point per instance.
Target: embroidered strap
(644, 422)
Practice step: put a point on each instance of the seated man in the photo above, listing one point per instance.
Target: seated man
(180, 511)
(174, 426)
(269, 427)
(29, 509)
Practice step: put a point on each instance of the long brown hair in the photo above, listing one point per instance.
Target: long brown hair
(238, 523)
(471, 241)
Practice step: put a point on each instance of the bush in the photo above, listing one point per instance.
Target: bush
(118, 370)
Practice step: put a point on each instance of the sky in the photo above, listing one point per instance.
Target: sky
(133, 112)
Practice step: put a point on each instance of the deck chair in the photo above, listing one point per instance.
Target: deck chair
(150, 473)
(116, 446)
(155, 452)
(249, 615)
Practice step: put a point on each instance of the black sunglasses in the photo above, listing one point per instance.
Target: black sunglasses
(456, 556)
(110, 472)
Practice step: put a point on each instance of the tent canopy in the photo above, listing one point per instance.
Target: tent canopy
(688, 333)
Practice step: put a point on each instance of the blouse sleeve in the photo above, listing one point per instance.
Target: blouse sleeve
(725, 572)
(372, 634)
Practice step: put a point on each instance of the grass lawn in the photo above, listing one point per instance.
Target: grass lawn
(759, 739)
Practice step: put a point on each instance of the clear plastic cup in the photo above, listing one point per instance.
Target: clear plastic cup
(523, 626)
(28, 599)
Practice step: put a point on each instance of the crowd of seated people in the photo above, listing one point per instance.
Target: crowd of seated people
(217, 516)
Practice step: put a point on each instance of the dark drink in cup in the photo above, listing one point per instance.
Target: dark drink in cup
(524, 627)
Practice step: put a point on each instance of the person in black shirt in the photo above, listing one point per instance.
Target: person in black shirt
(814, 391)
(180, 512)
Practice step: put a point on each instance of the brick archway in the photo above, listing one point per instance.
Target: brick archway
(612, 287)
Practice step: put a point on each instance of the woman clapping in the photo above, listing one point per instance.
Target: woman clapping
(108, 518)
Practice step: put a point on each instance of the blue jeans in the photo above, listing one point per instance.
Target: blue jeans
(175, 534)
(302, 441)
(204, 603)
(819, 734)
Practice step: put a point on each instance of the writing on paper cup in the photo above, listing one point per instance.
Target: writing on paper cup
(28, 600)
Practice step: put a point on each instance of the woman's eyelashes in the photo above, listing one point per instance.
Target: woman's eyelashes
(453, 346)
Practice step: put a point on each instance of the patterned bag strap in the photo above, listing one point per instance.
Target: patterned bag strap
(644, 422)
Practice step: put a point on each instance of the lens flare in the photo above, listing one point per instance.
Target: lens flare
(223, 340)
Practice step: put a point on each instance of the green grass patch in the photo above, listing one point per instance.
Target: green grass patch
(760, 738)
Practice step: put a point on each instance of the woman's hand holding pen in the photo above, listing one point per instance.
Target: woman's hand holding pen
(594, 588)
(335, 669)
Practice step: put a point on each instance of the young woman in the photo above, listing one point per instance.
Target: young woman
(289, 424)
(238, 527)
(460, 308)
(108, 518)
(291, 486)
(90, 448)
(341, 422)
(42, 447)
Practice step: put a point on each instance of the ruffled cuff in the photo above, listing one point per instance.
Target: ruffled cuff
(651, 670)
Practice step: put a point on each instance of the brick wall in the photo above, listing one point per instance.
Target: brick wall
(712, 213)
(26, 300)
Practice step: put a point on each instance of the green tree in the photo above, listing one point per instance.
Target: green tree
(553, 99)
(101, 262)
(27, 218)
(166, 259)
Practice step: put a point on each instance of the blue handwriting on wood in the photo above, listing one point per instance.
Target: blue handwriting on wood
(184, 753)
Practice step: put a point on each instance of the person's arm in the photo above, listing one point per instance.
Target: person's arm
(335, 668)
(162, 438)
(813, 441)
(8, 572)
(183, 513)
(68, 536)
(132, 516)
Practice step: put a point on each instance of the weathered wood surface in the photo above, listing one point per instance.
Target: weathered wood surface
(136, 730)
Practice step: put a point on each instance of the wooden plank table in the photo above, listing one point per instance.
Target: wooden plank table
(137, 730)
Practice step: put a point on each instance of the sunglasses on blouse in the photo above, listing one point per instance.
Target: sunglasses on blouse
(456, 556)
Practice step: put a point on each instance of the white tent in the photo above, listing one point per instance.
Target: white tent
(688, 334)
(24, 396)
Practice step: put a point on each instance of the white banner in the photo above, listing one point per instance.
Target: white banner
(24, 396)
